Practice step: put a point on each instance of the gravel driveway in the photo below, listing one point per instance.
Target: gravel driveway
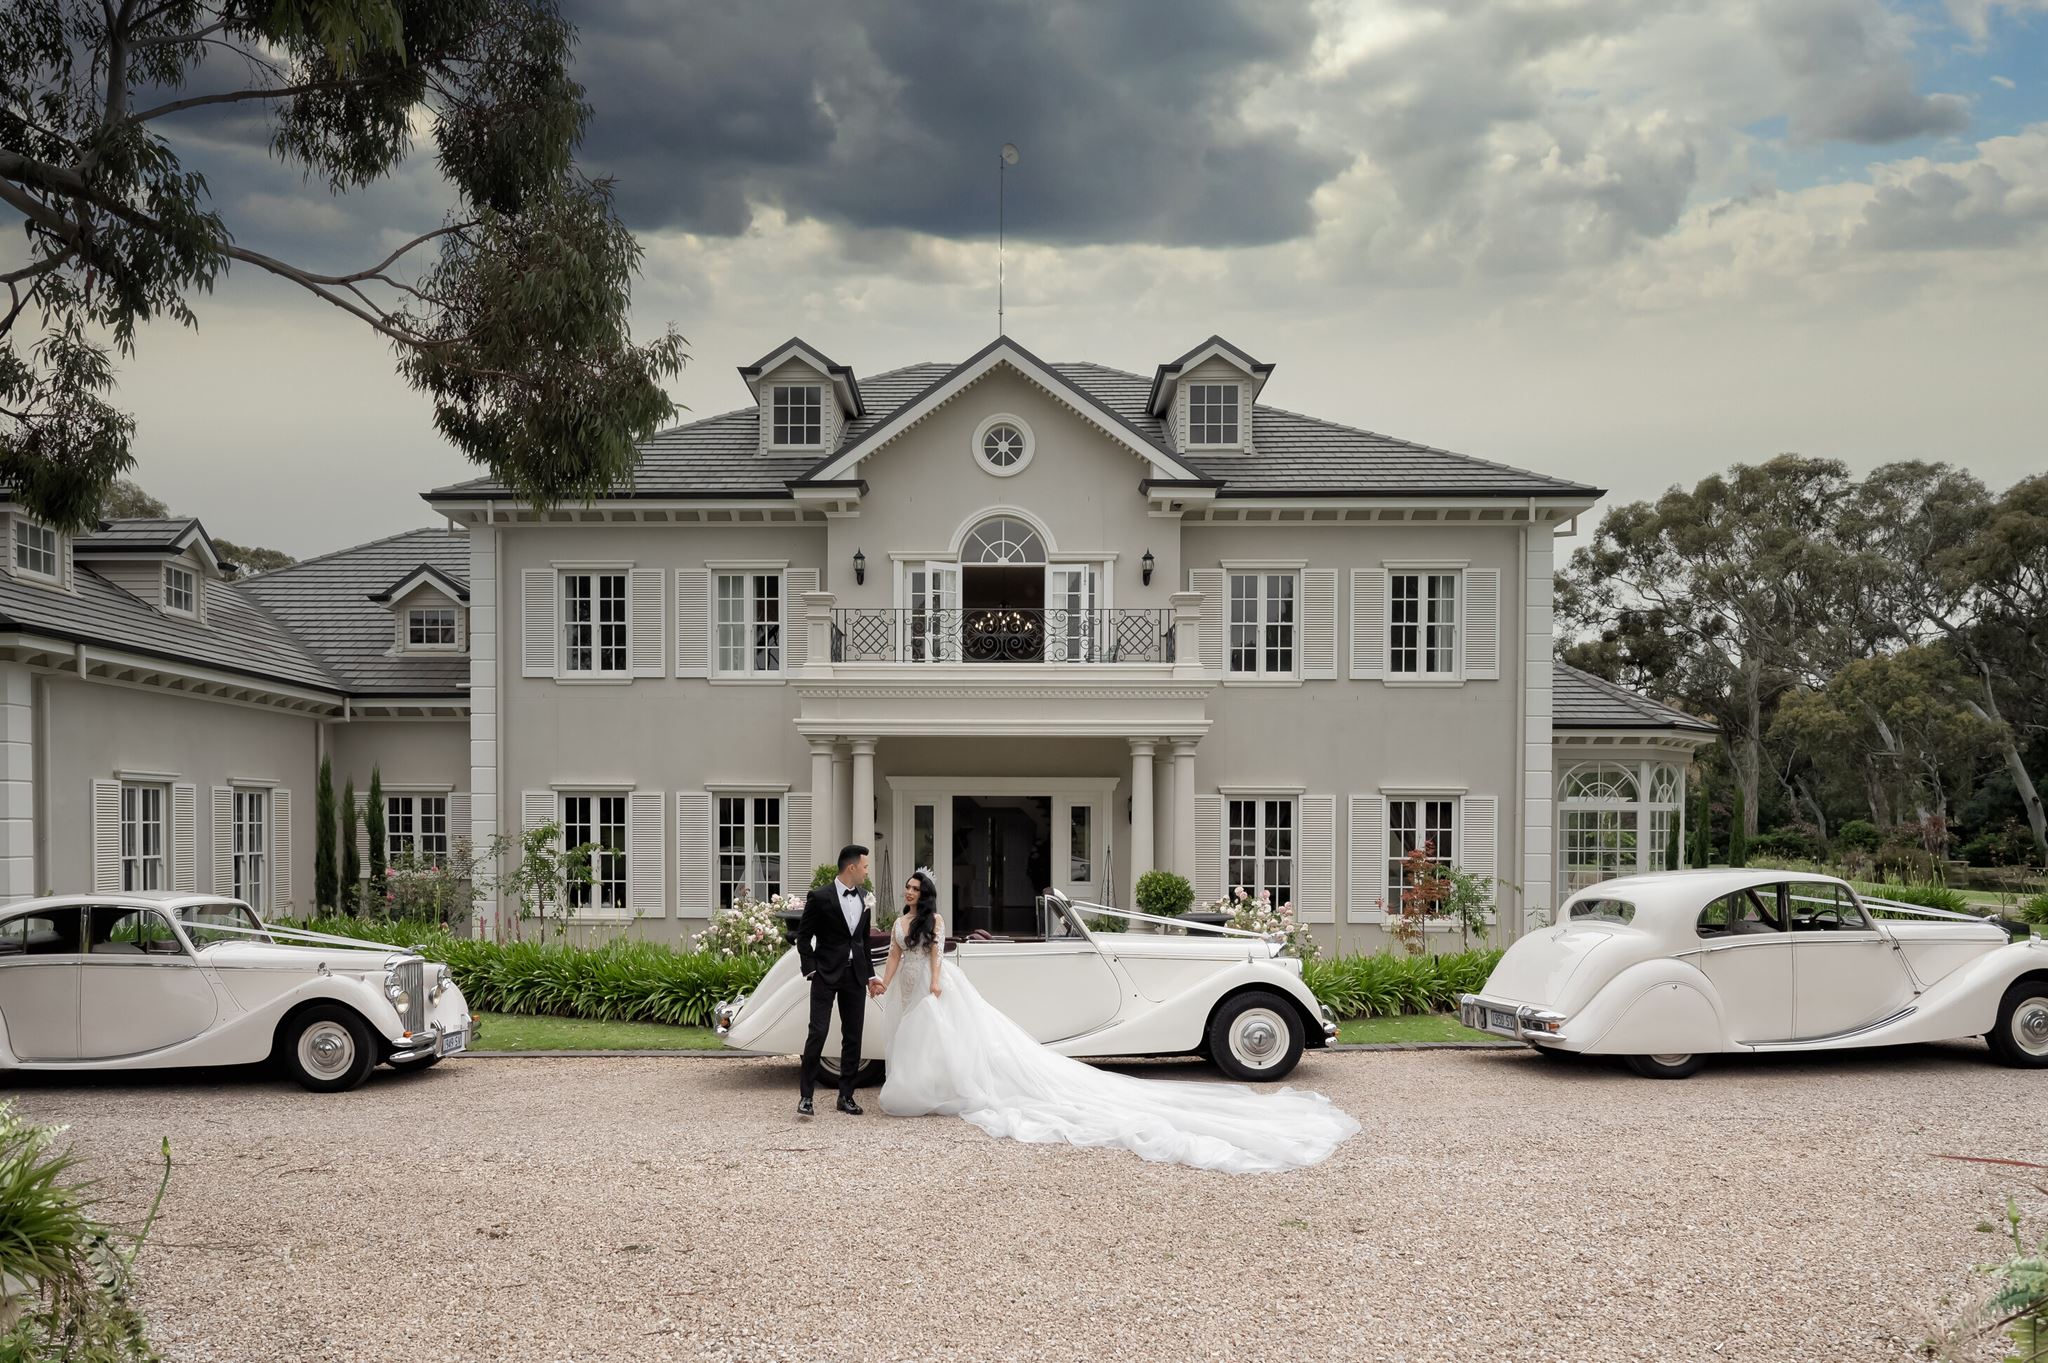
(1496, 1207)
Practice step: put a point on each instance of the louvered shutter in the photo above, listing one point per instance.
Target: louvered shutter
(646, 643)
(106, 837)
(224, 840)
(539, 636)
(1368, 858)
(796, 630)
(1368, 624)
(695, 895)
(363, 833)
(536, 810)
(1214, 585)
(693, 622)
(796, 841)
(1318, 889)
(1479, 817)
(646, 875)
(1319, 624)
(281, 850)
(1482, 624)
(185, 838)
(1208, 848)
(458, 819)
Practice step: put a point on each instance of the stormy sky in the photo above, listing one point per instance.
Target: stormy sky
(1623, 242)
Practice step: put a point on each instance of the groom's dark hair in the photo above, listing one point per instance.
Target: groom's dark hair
(851, 853)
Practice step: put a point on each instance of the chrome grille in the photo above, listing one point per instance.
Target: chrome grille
(412, 978)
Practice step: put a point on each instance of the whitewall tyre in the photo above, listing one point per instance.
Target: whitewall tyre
(1256, 1037)
(2020, 1037)
(328, 1048)
(869, 1074)
(1666, 1066)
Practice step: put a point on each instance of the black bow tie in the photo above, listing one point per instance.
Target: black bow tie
(855, 893)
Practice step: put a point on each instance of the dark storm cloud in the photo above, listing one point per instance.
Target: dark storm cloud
(887, 114)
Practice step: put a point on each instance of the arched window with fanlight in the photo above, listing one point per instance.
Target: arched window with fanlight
(1616, 819)
(1004, 597)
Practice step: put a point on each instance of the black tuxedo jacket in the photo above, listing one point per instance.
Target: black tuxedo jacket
(824, 948)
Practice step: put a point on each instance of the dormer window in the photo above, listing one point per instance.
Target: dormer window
(35, 549)
(430, 627)
(1212, 414)
(181, 590)
(798, 412)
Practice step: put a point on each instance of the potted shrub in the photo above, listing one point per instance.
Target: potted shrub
(1165, 894)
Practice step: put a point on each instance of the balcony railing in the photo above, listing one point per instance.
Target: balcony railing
(1001, 634)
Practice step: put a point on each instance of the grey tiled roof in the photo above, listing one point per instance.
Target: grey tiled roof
(137, 532)
(720, 455)
(1580, 700)
(326, 602)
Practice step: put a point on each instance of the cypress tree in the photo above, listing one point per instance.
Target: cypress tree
(374, 817)
(351, 860)
(1673, 853)
(1738, 842)
(324, 870)
(1702, 830)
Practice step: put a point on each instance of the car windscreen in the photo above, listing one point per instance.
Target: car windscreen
(1603, 911)
(207, 924)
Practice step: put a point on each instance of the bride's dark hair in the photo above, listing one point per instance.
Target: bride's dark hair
(924, 916)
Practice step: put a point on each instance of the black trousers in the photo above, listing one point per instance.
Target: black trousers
(850, 991)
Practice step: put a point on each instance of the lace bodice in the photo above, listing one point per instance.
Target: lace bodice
(914, 969)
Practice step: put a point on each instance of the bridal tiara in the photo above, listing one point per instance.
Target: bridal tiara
(927, 872)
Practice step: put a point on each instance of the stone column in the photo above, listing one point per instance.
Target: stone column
(17, 783)
(1141, 809)
(823, 809)
(484, 700)
(842, 802)
(1163, 812)
(1184, 808)
(861, 826)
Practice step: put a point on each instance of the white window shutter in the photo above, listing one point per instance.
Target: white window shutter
(106, 837)
(693, 622)
(796, 631)
(363, 832)
(1368, 858)
(646, 877)
(1479, 817)
(796, 842)
(695, 895)
(185, 838)
(646, 643)
(1319, 624)
(224, 840)
(1208, 849)
(1482, 624)
(1368, 624)
(1318, 887)
(539, 638)
(458, 818)
(281, 850)
(1214, 585)
(537, 809)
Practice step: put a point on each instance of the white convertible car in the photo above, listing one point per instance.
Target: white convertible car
(1229, 995)
(1667, 969)
(154, 980)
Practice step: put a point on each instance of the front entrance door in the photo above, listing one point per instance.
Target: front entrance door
(1002, 861)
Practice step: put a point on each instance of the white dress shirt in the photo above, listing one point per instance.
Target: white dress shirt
(851, 903)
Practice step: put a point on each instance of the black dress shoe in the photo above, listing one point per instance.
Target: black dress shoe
(849, 1107)
(804, 1108)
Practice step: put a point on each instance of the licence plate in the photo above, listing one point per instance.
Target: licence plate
(451, 1042)
(1500, 1022)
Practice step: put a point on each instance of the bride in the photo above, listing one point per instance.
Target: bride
(950, 1051)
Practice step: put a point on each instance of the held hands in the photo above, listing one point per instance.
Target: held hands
(876, 988)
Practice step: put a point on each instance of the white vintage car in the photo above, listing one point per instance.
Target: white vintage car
(1667, 969)
(155, 980)
(1232, 996)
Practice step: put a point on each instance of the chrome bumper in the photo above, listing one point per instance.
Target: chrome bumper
(1523, 1023)
(1329, 1023)
(723, 1014)
(420, 1045)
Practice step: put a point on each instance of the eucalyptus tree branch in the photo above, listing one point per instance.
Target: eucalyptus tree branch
(241, 97)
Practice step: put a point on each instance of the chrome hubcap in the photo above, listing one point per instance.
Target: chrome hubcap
(2030, 1026)
(1258, 1037)
(327, 1050)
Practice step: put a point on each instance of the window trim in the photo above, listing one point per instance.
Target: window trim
(1419, 795)
(139, 789)
(1237, 414)
(1423, 676)
(1260, 675)
(748, 572)
(1259, 799)
(748, 796)
(56, 573)
(191, 576)
(775, 392)
(988, 424)
(624, 671)
(238, 857)
(592, 908)
(454, 614)
(392, 836)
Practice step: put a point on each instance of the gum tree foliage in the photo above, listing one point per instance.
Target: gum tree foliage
(510, 314)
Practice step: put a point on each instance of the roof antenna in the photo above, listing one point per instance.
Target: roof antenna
(1004, 160)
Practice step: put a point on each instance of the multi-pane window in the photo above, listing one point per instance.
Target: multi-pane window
(1261, 847)
(430, 627)
(1081, 844)
(251, 860)
(749, 847)
(798, 411)
(1212, 413)
(749, 623)
(417, 824)
(35, 548)
(142, 838)
(181, 589)
(1423, 619)
(594, 622)
(1262, 624)
(600, 822)
(1412, 824)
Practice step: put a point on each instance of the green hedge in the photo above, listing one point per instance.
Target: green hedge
(1387, 985)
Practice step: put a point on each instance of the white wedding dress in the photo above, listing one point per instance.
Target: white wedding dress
(957, 1054)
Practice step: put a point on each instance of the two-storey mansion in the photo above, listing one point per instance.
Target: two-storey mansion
(1024, 623)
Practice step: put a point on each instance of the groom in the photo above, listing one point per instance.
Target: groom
(832, 951)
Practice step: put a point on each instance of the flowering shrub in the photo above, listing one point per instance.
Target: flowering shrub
(749, 930)
(1431, 889)
(1258, 913)
(419, 887)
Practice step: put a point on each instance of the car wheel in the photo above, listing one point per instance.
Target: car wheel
(328, 1049)
(2021, 1035)
(867, 1076)
(1666, 1066)
(1256, 1037)
(425, 1062)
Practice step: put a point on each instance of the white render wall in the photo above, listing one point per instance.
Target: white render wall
(17, 783)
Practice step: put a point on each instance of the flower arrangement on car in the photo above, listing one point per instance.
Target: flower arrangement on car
(1258, 913)
(749, 929)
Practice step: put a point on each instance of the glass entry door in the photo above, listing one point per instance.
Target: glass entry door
(932, 624)
(1071, 635)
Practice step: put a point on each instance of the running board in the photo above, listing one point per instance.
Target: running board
(1805, 1041)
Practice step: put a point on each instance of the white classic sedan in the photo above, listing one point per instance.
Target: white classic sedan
(1229, 995)
(1667, 969)
(155, 980)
